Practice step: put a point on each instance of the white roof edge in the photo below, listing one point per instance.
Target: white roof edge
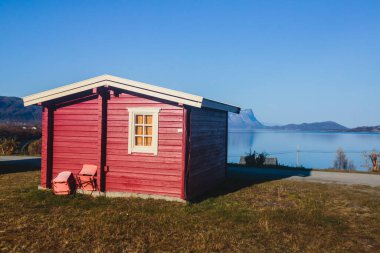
(65, 87)
(130, 85)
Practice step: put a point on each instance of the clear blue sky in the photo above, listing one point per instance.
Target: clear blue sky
(291, 61)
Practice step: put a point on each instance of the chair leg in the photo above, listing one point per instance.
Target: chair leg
(80, 184)
(52, 186)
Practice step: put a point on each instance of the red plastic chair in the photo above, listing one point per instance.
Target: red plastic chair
(86, 177)
(63, 183)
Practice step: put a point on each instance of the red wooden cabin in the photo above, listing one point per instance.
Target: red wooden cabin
(146, 140)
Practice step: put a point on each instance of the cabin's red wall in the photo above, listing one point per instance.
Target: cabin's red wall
(208, 150)
(138, 172)
(75, 137)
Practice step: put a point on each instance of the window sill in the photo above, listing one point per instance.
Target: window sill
(141, 152)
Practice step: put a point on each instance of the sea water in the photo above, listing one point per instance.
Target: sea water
(316, 149)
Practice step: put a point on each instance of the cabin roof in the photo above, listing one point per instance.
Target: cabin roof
(129, 85)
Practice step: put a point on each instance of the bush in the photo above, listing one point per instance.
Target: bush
(34, 148)
(255, 159)
(8, 146)
(341, 162)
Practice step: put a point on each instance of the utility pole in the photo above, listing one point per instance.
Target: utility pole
(298, 155)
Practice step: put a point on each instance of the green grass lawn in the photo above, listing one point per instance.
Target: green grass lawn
(277, 216)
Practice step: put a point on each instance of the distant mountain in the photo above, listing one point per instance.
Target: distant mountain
(246, 120)
(12, 110)
(374, 129)
(316, 126)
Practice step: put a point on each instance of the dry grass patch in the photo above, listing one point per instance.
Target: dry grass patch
(278, 216)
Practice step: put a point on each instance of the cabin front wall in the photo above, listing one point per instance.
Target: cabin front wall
(160, 174)
(73, 131)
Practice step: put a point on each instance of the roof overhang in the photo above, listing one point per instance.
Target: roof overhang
(128, 85)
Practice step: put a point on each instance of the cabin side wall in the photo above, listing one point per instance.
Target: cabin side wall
(145, 173)
(208, 150)
(75, 137)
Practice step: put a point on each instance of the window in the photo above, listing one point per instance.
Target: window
(143, 130)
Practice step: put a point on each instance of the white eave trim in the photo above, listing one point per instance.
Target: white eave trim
(129, 85)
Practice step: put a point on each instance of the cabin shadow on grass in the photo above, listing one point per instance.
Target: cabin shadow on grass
(20, 165)
(239, 177)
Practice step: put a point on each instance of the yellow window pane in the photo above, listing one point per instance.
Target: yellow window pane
(147, 141)
(148, 130)
(139, 119)
(148, 119)
(139, 141)
(139, 130)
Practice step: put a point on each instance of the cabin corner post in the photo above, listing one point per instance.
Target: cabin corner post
(102, 138)
(184, 152)
(226, 138)
(47, 146)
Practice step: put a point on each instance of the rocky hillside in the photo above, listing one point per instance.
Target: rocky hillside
(12, 111)
(246, 120)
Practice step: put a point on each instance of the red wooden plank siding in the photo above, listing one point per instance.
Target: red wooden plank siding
(208, 150)
(139, 172)
(75, 135)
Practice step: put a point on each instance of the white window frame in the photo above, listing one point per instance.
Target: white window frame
(133, 111)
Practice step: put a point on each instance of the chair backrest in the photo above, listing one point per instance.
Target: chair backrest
(88, 170)
(62, 177)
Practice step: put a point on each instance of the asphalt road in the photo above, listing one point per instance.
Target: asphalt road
(18, 158)
(11, 164)
(308, 176)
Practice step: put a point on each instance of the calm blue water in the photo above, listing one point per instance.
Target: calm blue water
(317, 148)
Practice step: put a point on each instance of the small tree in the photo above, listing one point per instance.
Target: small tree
(371, 160)
(34, 148)
(8, 146)
(341, 162)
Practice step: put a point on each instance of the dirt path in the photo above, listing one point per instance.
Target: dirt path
(311, 176)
